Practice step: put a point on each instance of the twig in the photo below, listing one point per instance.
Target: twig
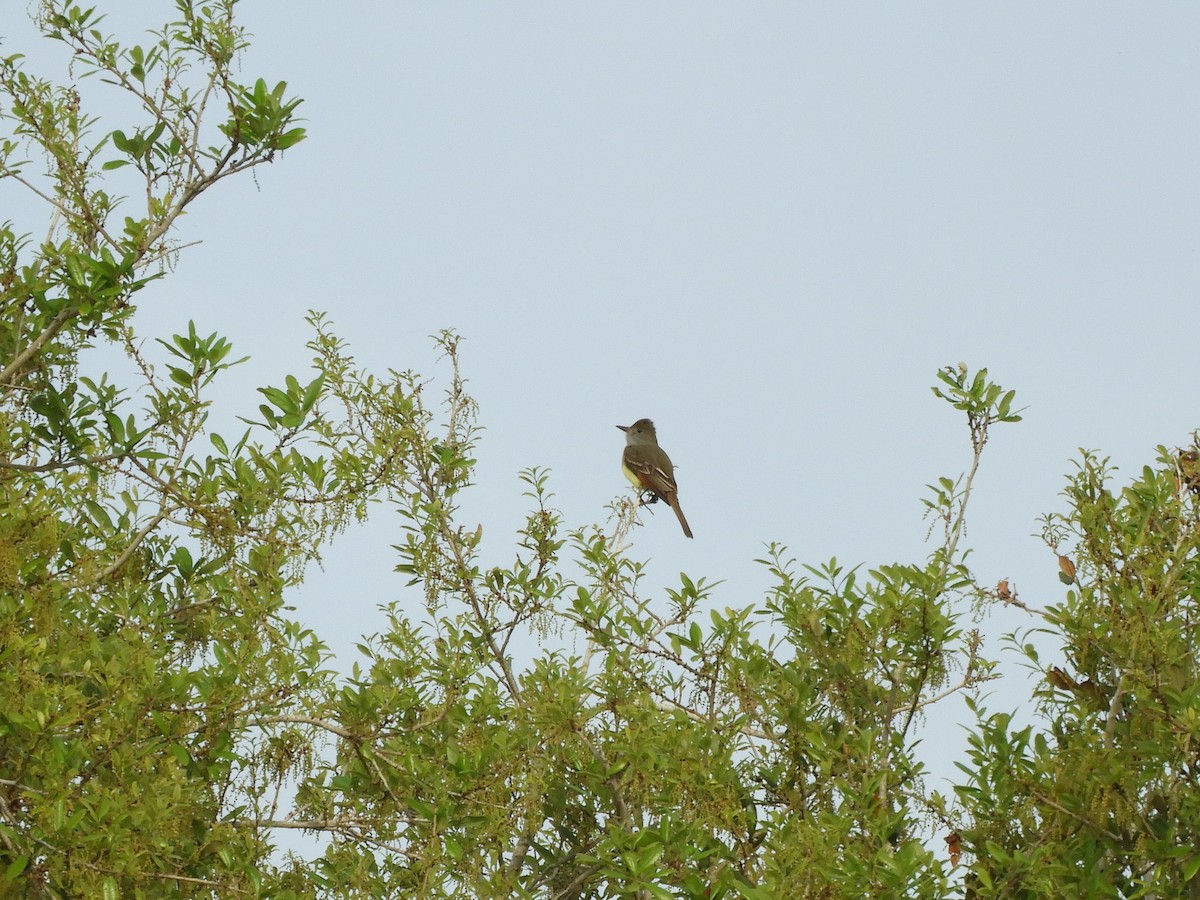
(53, 328)
(305, 720)
(1114, 710)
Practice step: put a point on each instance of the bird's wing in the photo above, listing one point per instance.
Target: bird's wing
(654, 469)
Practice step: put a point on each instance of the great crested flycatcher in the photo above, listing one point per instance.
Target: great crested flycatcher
(648, 467)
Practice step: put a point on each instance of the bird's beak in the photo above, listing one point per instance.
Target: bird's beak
(623, 427)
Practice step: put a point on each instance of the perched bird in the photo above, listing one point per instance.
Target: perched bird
(648, 467)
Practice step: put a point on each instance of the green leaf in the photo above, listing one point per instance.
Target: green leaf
(1191, 867)
(16, 867)
(290, 138)
(116, 427)
(281, 400)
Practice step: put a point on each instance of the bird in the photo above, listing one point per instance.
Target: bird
(648, 467)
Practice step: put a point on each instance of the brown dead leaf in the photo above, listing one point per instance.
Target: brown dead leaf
(1189, 470)
(1060, 679)
(1067, 573)
(954, 847)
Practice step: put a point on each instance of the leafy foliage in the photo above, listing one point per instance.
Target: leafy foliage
(540, 729)
(1103, 801)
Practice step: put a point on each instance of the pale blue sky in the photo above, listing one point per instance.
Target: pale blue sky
(765, 226)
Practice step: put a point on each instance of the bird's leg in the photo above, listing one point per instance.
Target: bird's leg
(647, 497)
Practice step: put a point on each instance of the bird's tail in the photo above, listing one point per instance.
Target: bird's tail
(679, 514)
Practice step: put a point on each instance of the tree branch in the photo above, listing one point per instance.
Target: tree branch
(53, 328)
